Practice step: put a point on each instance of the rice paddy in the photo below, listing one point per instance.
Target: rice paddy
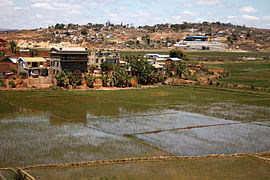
(226, 168)
(249, 73)
(51, 127)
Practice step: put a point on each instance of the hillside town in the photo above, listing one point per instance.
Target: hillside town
(93, 51)
(82, 67)
(191, 36)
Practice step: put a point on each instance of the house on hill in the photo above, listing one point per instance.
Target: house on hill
(7, 66)
(71, 59)
(33, 66)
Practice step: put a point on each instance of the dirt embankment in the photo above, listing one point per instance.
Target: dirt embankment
(28, 83)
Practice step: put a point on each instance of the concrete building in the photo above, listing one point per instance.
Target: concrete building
(33, 66)
(68, 59)
(99, 56)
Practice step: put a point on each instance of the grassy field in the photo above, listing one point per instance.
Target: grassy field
(227, 168)
(204, 54)
(248, 73)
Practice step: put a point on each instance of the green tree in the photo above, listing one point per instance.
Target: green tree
(141, 68)
(13, 46)
(175, 53)
(120, 77)
(178, 68)
(23, 75)
(59, 26)
(2, 82)
(106, 67)
(74, 79)
(12, 83)
(105, 79)
(84, 32)
(62, 79)
(90, 80)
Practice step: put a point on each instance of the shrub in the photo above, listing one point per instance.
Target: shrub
(62, 79)
(23, 75)
(2, 82)
(12, 83)
(105, 80)
(106, 67)
(120, 77)
(174, 53)
(90, 80)
(74, 79)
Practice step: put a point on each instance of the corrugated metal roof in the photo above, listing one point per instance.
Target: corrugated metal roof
(175, 59)
(163, 56)
(33, 59)
(14, 60)
(69, 49)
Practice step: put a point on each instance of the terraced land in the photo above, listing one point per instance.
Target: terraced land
(55, 127)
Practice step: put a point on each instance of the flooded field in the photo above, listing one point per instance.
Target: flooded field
(45, 127)
(227, 139)
(33, 140)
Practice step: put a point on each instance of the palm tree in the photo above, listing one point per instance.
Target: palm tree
(13, 46)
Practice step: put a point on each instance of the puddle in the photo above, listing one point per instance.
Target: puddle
(212, 140)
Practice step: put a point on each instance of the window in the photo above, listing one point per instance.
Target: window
(102, 60)
(96, 60)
